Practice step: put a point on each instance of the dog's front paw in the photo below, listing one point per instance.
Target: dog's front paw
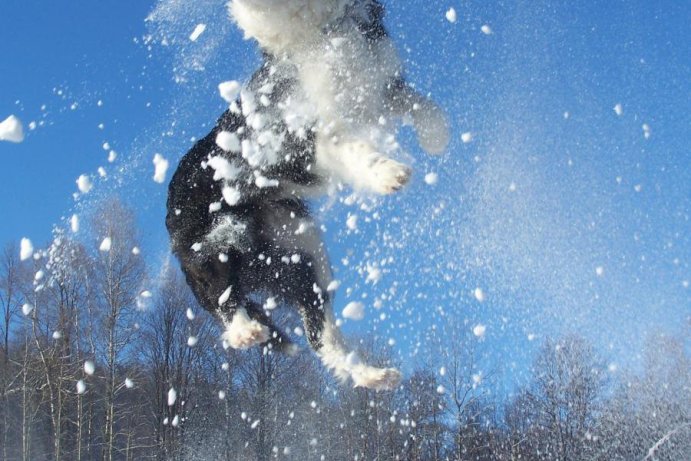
(388, 176)
(243, 332)
(379, 379)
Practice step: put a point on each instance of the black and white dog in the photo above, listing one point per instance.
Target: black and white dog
(314, 116)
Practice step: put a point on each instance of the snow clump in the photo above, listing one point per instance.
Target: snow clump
(451, 15)
(354, 311)
(197, 32)
(26, 249)
(11, 130)
(479, 330)
(89, 367)
(84, 184)
(229, 90)
(105, 245)
(161, 167)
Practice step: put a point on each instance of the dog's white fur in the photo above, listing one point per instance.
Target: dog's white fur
(243, 332)
(344, 78)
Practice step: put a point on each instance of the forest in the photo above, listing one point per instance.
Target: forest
(94, 368)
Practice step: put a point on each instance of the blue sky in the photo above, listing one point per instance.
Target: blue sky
(560, 210)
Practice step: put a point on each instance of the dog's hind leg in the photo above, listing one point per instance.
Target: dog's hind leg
(278, 341)
(301, 278)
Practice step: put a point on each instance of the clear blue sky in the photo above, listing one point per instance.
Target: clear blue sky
(553, 186)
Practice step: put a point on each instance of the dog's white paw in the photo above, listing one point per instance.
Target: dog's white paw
(379, 379)
(243, 332)
(388, 176)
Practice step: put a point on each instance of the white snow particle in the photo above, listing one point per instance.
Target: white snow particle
(129, 384)
(84, 184)
(89, 367)
(225, 296)
(136, 251)
(160, 168)
(442, 371)
(190, 314)
(105, 245)
(264, 182)
(599, 270)
(231, 195)
(172, 396)
(618, 109)
(57, 335)
(229, 90)
(487, 30)
(74, 223)
(27, 308)
(333, 285)
(646, 131)
(81, 387)
(440, 389)
(467, 137)
(228, 141)
(479, 294)
(431, 178)
(26, 249)
(479, 330)
(351, 222)
(270, 303)
(221, 395)
(196, 247)
(112, 155)
(451, 15)
(354, 310)
(176, 421)
(192, 341)
(11, 130)
(197, 32)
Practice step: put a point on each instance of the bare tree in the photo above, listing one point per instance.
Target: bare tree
(563, 403)
(118, 275)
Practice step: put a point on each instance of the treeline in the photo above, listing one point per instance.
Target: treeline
(99, 361)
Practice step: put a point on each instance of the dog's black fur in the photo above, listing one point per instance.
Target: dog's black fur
(267, 218)
(270, 217)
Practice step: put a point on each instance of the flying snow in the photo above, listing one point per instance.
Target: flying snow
(74, 223)
(479, 330)
(26, 249)
(479, 294)
(451, 15)
(81, 387)
(196, 33)
(106, 243)
(354, 311)
(89, 367)
(467, 137)
(487, 30)
(228, 141)
(172, 396)
(229, 90)
(11, 130)
(225, 296)
(160, 168)
(618, 109)
(27, 309)
(431, 178)
(84, 184)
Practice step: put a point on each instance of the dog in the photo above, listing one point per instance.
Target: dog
(317, 114)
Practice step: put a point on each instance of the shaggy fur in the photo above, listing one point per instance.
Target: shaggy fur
(316, 114)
